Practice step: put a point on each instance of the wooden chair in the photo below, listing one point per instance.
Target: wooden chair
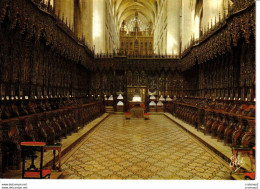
(243, 150)
(29, 149)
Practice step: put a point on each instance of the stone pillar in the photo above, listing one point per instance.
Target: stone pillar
(99, 25)
(211, 11)
(188, 12)
(84, 20)
(78, 18)
(66, 8)
(173, 27)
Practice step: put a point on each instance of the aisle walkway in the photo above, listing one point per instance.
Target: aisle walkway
(143, 149)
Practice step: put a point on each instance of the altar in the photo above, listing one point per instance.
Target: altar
(136, 97)
(134, 104)
(137, 112)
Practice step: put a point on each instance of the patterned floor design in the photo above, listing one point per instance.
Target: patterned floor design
(143, 149)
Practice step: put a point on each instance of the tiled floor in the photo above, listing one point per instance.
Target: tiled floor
(143, 149)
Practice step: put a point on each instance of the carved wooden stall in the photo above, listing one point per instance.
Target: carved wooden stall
(50, 127)
(230, 121)
(158, 75)
(43, 79)
(50, 79)
(219, 76)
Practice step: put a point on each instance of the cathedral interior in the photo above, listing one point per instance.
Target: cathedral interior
(127, 89)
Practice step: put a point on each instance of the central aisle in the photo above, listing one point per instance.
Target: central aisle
(143, 149)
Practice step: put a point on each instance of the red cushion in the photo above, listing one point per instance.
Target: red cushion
(33, 143)
(36, 174)
(127, 113)
(250, 175)
(142, 105)
(146, 114)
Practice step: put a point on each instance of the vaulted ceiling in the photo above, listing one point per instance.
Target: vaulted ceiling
(125, 10)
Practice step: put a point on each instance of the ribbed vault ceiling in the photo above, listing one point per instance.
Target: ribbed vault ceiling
(125, 10)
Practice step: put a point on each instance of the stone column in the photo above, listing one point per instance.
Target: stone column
(66, 8)
(99, 18)
(84, 20)
(188, 13)
(211, 11)
(173, 27)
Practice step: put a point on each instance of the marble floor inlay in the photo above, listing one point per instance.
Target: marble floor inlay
(143, 149)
